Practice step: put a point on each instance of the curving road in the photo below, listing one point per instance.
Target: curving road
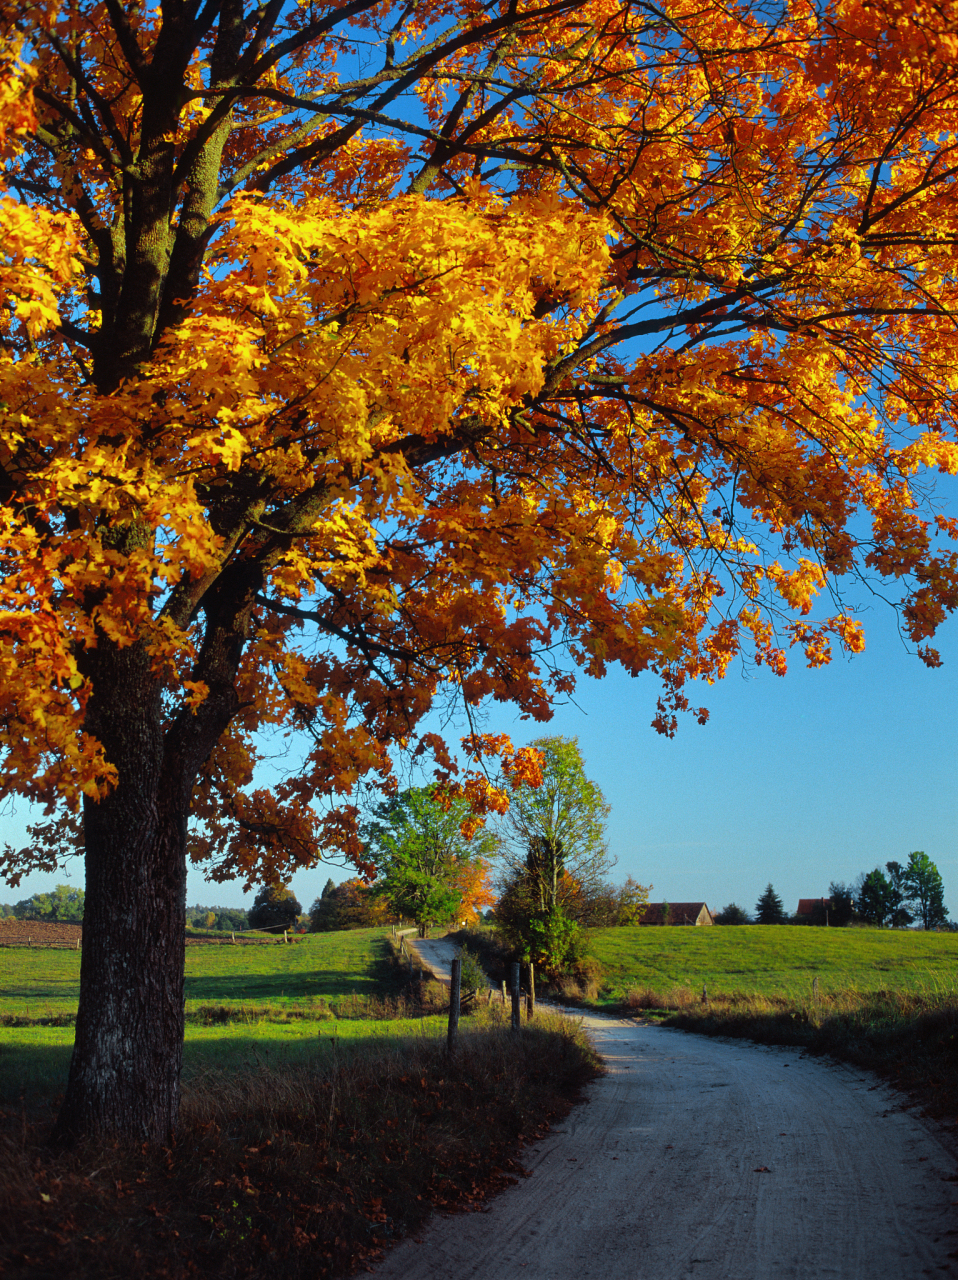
(698, 1159)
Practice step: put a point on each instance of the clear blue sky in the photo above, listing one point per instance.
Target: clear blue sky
(799, 780)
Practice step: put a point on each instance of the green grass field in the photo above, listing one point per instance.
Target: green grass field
(45, 983)
(278, 998)
(773, 960)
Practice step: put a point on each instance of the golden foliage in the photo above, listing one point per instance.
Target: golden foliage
(636, 364)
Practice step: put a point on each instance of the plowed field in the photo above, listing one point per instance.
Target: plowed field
(37, 933)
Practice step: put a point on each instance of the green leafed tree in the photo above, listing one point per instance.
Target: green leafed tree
(924, 889)
(631, 900)
(429, 870)
(274, 907)
(769, 908)
(558, 827)
(875, 898)
(899, 917)
(554, 857)
(842, 898)
(62, 904)
(733, 914)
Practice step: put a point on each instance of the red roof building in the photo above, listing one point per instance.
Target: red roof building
(811, 906)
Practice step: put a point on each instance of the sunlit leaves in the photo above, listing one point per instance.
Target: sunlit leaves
(631, 360)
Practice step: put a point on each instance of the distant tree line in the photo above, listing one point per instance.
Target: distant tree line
(897, 897)
(61, 905)
(226, 919)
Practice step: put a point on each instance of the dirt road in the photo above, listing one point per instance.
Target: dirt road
(436, 954)
(699, 1159)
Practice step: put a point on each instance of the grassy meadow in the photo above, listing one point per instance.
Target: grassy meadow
(39, 983)
(274, 1004)
(772, 960)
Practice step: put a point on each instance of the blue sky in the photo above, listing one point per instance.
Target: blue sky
(796, 780)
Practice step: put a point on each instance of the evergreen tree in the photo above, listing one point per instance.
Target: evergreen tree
(769, 909)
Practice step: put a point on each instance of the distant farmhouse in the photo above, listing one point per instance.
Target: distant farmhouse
(677, 913)
(813, 909)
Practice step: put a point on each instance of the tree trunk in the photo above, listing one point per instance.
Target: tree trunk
(125, 1069)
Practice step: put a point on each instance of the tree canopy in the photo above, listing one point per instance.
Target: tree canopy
(557, 826)
(350, 905)
(64, 902)
(924, 890)
(361, 358)
(429, 871)
(274, 907)
(733, 914)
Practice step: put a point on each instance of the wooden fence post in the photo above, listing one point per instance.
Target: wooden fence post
(455, 992)
(514, 975)
(815, 989)
(705, 994)
(531, 997)
(503, 993)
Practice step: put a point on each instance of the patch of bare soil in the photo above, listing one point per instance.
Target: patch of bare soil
(39, 933)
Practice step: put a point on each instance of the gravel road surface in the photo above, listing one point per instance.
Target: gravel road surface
(436, 954)
(698, 1159)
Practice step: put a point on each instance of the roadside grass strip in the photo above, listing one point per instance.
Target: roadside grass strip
(886, 1000)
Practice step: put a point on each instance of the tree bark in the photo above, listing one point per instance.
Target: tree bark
(125, 1069)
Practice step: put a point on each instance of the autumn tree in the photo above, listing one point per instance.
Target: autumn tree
(350, 905)
(628, 902)
(360, 359)
(429, 871)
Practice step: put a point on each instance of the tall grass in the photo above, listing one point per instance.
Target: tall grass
(307, 1170)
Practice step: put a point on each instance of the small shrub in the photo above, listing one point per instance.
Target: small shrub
(473, 975)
